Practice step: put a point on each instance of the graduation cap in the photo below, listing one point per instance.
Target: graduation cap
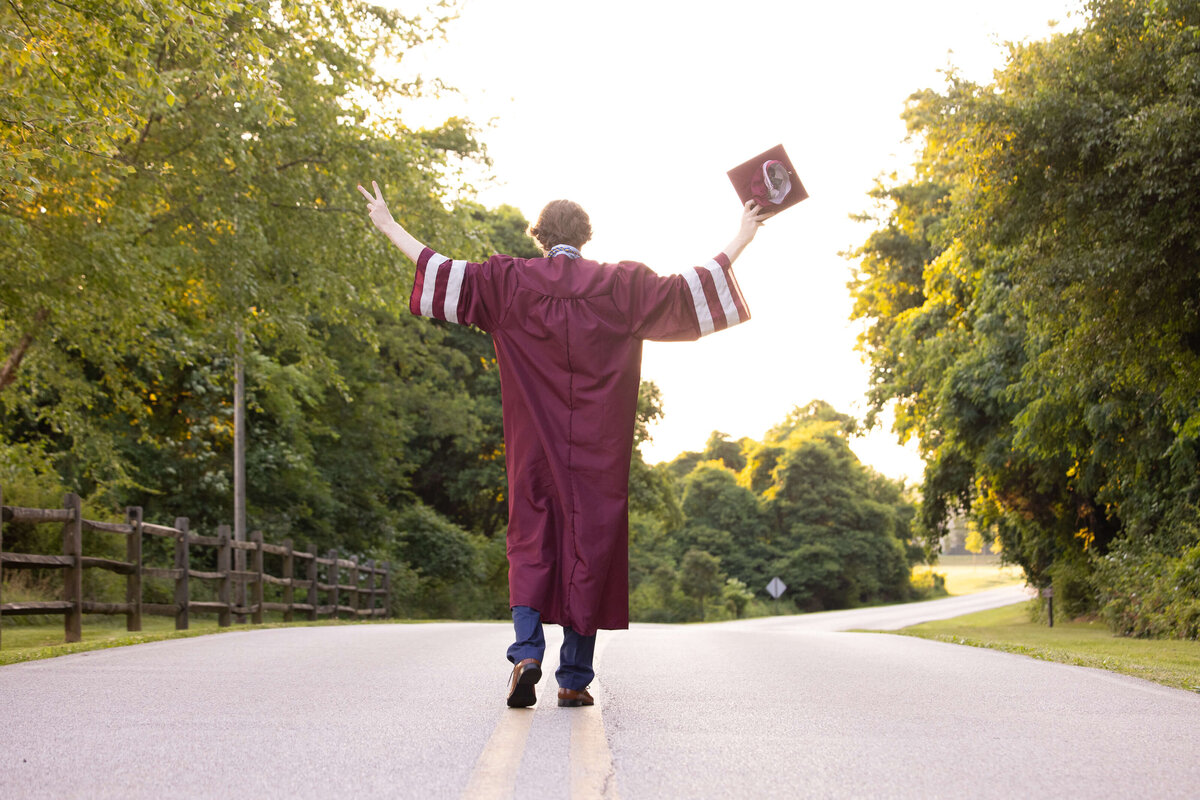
(769, 179)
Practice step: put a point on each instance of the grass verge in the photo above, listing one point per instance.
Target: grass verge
(1171, 662)
(33, 642)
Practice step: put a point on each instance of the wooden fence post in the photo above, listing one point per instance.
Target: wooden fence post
(133, 583)
(289, 572)
(387, 588)
(239, 586)
(73, 575)
(312, 585)
(354, 583)
(224, 565)
(372, 577)
(1, 562)
(256, 616)
(182, 598)
(333, 582)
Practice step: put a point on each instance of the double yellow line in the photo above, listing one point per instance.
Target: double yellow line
(591, 765)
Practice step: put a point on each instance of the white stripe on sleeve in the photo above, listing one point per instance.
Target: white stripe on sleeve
(453, 287)
(430, 286)
(702, 312)
(723, 293)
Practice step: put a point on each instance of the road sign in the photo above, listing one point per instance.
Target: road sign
(776, 587)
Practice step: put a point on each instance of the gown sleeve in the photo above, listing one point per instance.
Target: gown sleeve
(461, 291)
(684, 307)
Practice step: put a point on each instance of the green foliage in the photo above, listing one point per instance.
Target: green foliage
(974, 539)
(182, 173)
(700, 577)
(1148, 593)
(651, 490)
(180, 186)
(736, 596)
(1031, 293)
(929, 585)
(725, 519)
(801, 507)
(731, 454)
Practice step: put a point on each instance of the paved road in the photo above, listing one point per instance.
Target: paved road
(783, 707)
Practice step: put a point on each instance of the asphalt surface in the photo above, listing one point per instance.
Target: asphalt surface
(781, 707)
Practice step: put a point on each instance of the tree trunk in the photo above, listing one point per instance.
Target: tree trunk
(8, 373)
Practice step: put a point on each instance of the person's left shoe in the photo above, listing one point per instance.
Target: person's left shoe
(573, 698)
(525, 676)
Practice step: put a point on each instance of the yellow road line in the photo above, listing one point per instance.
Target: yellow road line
(591, 765)
(592, 774)
(495, 774)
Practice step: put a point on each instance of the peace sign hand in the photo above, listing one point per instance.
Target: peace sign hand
(377, 207)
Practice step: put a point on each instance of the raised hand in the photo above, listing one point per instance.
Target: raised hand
(377, 208)
(382, 217)
(753, 216)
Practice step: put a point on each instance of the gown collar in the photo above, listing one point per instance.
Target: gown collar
(564, 250)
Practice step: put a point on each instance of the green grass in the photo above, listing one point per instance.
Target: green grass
(25, 642)
(1171, 662)
(968, 574)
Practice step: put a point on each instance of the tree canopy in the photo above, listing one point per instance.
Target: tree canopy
(177, 174)
(1032, 296)
(799, 506)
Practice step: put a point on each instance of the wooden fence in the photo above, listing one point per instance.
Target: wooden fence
(348, 587)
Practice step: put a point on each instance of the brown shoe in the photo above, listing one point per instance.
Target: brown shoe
(573, 698)
(525, 674)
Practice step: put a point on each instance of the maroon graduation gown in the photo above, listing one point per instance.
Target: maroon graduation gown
(568, 336)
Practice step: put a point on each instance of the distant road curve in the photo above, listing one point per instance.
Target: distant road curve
(894, 617)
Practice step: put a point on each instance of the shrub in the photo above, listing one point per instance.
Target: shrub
(1149, 594)
(1074, 587)
(928, 585)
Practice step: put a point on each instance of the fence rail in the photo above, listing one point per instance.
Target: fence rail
(349, 587)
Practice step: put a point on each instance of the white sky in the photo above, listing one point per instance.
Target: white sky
(636, 109)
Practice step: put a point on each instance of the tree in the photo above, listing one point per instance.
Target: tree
(974, 540)
(183, 172)
(825, 505)
(191, 185)
(651, 490)
(700, 577)
(1031, 294)
(731, 454)
(726, 520)
(737, 596)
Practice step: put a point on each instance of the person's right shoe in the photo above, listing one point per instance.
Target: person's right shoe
(573, 698)
(525, 676)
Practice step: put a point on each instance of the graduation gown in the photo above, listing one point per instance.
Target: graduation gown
(568, 335)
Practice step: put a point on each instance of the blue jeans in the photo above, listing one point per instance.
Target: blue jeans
(574, 658)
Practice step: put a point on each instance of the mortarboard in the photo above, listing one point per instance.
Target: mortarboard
(769, 179)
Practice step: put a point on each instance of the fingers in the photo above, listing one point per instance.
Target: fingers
(378, 194)
(753, 212)
(365, 193)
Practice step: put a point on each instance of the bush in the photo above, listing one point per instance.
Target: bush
(1074, 586)
(928, 585)
(1149, 594)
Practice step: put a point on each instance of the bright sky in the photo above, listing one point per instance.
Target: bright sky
(637, 108)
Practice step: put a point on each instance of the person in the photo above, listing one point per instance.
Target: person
(568, 334)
